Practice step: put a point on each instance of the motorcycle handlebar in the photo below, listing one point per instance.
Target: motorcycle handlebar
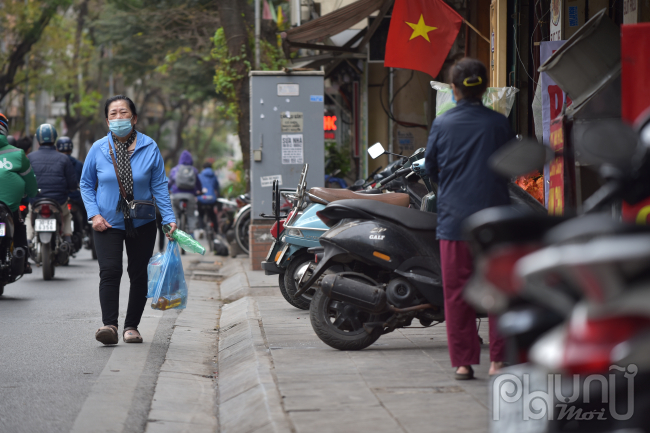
(398, 173)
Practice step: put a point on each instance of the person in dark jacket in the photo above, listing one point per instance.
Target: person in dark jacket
(55, 177)
(210, 193)
(180, 192)
(460, 143)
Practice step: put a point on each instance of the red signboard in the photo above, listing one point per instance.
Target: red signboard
(635, 95)
(556, 169)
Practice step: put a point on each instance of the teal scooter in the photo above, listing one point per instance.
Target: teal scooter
(289, 256)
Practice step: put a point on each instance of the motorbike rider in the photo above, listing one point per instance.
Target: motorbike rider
(65, 146)
(18, 180)
(55, 176)
(208, 199)
(185, 184)
(460, 143)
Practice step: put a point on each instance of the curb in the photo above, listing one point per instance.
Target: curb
(184, 399)
(249, 400)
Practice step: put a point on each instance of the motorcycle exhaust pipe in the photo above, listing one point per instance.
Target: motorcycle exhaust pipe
(361, 295)
(18, 261)
(19, 253)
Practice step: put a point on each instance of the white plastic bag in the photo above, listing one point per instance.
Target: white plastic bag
(499, 99)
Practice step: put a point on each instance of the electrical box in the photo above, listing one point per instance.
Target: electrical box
(286, 132)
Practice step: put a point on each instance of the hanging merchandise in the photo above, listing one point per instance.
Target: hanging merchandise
(499, 99)
(166, 280)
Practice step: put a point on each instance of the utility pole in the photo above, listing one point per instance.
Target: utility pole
(258, 30)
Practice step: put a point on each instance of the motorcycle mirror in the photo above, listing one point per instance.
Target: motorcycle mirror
(519, 157)
(608, 141)
(376, 150)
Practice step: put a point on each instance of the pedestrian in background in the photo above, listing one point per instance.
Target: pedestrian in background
(185, 184)
(142, 174)
(460, 143)
(209, 194)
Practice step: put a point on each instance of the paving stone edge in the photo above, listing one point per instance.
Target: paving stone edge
(248, 396)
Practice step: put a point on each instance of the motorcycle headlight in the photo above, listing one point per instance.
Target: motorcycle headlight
(295, 232)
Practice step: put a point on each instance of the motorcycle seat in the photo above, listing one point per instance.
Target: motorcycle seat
(328, 195)
(49, 201)
(407, 217)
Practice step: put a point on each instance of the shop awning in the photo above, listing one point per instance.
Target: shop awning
(334, 22)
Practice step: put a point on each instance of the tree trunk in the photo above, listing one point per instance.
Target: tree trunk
(232, 15)
(21, 49)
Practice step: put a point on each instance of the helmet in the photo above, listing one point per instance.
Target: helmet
(64, 144)
(46, 134)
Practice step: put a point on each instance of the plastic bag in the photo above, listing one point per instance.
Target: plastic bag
(167, 286)
(187, 242)
(499, 99)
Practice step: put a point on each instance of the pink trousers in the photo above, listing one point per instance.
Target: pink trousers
(464, 347)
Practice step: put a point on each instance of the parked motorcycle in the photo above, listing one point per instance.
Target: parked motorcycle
(574, 299)
(12, 258)
(48, 248)
(289, 255)
(242, 222)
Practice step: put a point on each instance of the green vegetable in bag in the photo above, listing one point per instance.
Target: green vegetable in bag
(187, 242)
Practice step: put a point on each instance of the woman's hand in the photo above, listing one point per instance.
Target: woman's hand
(172, 227)
(100, 224)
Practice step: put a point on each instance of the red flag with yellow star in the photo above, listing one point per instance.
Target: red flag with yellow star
(421, 34)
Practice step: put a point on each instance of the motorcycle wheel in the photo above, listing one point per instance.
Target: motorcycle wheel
(2, 289)
(93, 250)
(47, 260)
(296, 264)
(241, 230)
(340, 325)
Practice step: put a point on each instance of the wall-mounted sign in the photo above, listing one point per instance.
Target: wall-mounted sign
(268, 180)
(556, 20)
(292, 145)
(288, 89)
(329, 123)
(292, 121)
(556, 167)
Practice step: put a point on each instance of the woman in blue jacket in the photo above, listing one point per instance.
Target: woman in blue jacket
(142, 172)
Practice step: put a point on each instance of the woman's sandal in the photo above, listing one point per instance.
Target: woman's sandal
(107, 335)
(131, 335)
(465, 376)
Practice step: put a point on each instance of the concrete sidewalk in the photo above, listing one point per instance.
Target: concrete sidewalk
(275, 375)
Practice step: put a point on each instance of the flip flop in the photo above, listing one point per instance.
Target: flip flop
(131, 335)
(107, 335)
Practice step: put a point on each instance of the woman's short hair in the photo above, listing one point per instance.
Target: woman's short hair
(109, 101)
(470, 77)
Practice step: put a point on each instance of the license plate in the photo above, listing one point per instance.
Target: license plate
(268, 256)
(284, 251)
(3, 230)
(43, 225)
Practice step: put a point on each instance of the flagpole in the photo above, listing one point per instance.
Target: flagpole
(476, 30)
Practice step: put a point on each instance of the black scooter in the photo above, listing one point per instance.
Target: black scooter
(379, 268)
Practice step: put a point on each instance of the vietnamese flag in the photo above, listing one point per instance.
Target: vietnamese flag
(421, 34)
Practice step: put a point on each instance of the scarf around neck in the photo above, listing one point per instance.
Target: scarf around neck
(126, 176)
